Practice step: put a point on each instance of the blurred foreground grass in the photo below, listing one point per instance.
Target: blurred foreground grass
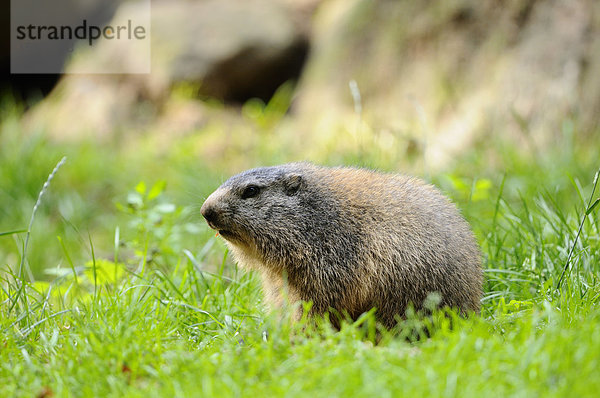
(125, 291)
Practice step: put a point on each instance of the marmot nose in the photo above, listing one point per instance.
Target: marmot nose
(212, 210)
(209, 213)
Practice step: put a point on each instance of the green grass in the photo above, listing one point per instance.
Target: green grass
(138, 298)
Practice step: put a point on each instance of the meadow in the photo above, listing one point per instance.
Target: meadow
(112, 284)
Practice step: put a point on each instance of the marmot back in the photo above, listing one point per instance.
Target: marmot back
(348, 239)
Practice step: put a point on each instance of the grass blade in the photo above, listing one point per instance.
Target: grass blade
(62, 244)
(589, 208)
(18, 231)
(35, 207)
(94, 268)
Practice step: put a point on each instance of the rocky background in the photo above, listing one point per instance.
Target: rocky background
(429, 77)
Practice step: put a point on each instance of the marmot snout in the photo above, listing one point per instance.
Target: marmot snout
(348, 239)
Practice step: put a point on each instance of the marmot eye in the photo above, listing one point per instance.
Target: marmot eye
(250, 191)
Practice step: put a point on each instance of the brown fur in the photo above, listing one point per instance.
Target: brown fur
(348, 239)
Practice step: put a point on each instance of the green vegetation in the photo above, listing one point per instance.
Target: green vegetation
(124, 291)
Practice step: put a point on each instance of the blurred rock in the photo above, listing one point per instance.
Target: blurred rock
(235, 49)
(229, 50)
(448, 74)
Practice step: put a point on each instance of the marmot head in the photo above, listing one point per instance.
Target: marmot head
(255, 204)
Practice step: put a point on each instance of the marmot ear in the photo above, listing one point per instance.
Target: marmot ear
(292, 183)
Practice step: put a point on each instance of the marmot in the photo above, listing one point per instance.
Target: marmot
(348, 239)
